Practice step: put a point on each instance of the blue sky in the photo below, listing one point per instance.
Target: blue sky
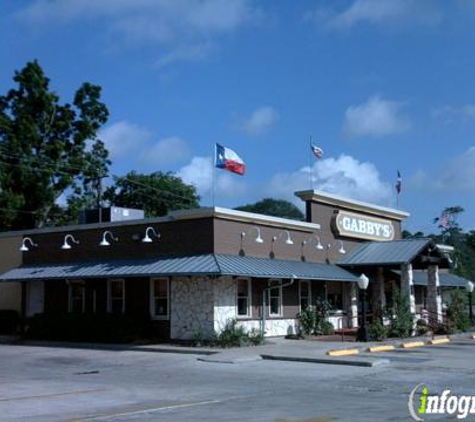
(381, 85)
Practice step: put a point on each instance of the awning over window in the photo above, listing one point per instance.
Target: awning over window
(212, 264)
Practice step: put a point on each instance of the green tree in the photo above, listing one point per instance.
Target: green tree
(156, 193)
(47, 149)
(275, 208)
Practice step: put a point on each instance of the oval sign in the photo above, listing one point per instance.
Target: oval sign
(363, 227)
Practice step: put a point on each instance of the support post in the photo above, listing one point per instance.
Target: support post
(353, 314)
(407, 285)
(434, 300)
(379, 297)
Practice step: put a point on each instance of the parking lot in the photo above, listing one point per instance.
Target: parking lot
(71, 384)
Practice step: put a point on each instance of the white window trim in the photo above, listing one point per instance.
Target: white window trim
(309, 293)
(83, 284)
(249, 297)
(109, 294)
(152, 299)
(281, 299)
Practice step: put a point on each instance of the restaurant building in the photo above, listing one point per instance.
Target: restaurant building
(193, 271)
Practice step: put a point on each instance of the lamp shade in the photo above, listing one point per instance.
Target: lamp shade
(469, 286)
(363, 282)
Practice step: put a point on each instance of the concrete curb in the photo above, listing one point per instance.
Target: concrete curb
(343, 352)
(382, 348)
(330, 361)
(412, 344)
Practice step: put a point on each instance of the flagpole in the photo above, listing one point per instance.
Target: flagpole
(310, 171)
(213, 175)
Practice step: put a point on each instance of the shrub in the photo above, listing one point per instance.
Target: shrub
(457, 317)
(9, 321)
(421, 327)
(327, 328)
(377, 330)
(307, 320)
(401, 320)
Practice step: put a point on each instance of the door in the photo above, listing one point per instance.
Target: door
(35, 297)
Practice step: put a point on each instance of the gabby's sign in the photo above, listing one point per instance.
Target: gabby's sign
(363, 227)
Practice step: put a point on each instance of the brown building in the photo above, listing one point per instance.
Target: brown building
(192, 271)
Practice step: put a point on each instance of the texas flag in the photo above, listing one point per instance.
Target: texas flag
(227, 159)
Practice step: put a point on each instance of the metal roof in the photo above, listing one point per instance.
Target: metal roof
(212, 264)
(396, 252)
(446, 279)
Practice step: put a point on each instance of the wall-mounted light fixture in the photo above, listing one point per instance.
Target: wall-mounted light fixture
(24, 248)
(318, 244)
(288, 241)
(104, 241)
(66, 245)
(258, 238)
(341, 249)
(147, 238)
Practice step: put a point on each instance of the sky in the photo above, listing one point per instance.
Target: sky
(380, 85)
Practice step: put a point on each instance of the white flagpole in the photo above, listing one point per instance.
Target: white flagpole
(310, 171)
(214, 172)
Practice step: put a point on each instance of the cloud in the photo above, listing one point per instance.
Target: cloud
(199, 172)
(135, 145)
(187, 53)
(260, 121)
(122, 138)
(459, 173)
(167, 151)
(451, 114)
(183, 27)
(345, 176)
(377, 117)
(378, 12)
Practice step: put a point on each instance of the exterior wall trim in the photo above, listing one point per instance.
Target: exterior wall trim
(339, 201)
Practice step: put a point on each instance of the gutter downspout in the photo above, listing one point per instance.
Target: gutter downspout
(264, 302)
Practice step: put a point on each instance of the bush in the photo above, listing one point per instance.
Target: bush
(307, 319)
(401, 320)
(377, 330)
(231, 336)
(101, 328)
(457, 317)
(316, 321)
(9, 321)
(421, 327)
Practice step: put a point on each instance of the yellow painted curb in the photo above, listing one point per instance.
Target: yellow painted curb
(383, 348)
(473, 336)
(343, 352)
(412, 344)
(440, 340)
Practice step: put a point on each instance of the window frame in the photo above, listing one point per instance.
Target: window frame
(281, 299)
(249, 297)
(309, 297)
(109, 294)
(70, 296)
(152, 299)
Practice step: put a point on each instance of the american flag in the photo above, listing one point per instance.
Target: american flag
(318, 152)
(399, 182)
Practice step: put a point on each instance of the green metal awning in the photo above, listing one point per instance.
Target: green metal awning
(211, 264)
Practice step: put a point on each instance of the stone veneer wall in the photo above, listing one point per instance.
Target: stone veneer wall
(274, 327)
(191, 307)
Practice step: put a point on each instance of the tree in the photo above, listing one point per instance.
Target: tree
(156, 193)
(275, 208)
(47, 149)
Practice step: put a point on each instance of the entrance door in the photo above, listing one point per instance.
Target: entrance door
(35, 291)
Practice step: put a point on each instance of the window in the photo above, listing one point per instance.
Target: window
(116, 296)
(243, 297)
(159, 296)
(275, 301)
(305, 294)
(76, 292)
